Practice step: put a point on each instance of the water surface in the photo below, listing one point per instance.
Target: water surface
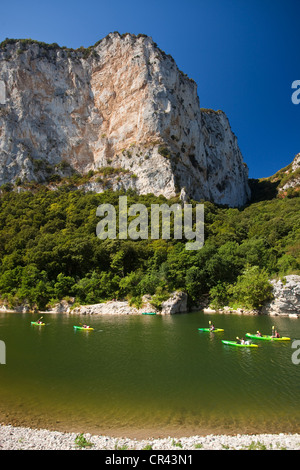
(145, 376)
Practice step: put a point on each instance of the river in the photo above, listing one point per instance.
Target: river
(142, 376)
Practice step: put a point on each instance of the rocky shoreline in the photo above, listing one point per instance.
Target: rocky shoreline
(285, 302)
(176, 303)
(20, 438)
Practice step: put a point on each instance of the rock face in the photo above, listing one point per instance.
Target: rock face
(122, 103)
(286, 297)
(177, 303)
(293, 174)
(106, 308)
(286, 181)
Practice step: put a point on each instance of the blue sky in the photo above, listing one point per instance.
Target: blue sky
(243, 55)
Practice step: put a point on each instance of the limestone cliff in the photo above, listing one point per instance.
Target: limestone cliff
(286, 299)
(291, 177)
(122, 103)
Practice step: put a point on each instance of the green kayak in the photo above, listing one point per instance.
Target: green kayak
(267, 337)
(212, 331)
(149, 313)
(37, 323)
(83, 328)
(239, 345)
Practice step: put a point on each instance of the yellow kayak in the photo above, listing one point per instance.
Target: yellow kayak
(83, 328)
(267, 337)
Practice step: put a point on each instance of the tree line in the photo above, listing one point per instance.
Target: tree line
(49, 251)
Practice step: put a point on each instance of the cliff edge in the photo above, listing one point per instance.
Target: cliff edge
(122, 103)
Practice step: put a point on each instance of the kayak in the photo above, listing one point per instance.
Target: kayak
(38, 324)
(267, 337)
(212, 331)
(83, 328)
(149, 313)
(234, 343)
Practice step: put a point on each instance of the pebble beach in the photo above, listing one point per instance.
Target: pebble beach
(20, 438)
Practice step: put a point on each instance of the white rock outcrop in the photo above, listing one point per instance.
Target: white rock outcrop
(294, 180)
(177, 303)
(122, 103)
(286, 299)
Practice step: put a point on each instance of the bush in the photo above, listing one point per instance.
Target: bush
(159, 297)
(252, 288)
(164, 152)
(219, 295)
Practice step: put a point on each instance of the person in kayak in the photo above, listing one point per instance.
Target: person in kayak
(275, 333)
(258, 333)
(242, 341)
(40, 320)
(211, 326)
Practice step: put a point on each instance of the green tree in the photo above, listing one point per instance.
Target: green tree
(252, 288)
(63, 286)
(35, 288)
(219, 295)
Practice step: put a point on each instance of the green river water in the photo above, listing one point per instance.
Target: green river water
(142, 376)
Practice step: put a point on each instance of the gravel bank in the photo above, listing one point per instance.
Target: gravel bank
(17, 438)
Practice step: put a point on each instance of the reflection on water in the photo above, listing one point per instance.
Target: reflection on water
(148, 374)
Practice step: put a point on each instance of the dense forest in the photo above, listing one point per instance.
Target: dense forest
(49, 251)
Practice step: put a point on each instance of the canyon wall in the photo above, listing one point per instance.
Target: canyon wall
(122, 103)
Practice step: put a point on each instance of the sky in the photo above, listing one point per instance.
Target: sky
(243, 55)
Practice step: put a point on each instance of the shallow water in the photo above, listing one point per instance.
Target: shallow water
(148, 375)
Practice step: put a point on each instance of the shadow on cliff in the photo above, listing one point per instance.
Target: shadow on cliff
(262, 190)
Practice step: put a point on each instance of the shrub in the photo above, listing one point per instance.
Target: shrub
(252, 288)
(164, 151)
(81, 441)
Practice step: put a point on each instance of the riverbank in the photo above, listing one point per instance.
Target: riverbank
(285, 302)
(176, 303)
(19, 438)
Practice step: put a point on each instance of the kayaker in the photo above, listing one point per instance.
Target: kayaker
(239, 341)
(86, 326)
(258, 333)
(211, 326)
(275, 333)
